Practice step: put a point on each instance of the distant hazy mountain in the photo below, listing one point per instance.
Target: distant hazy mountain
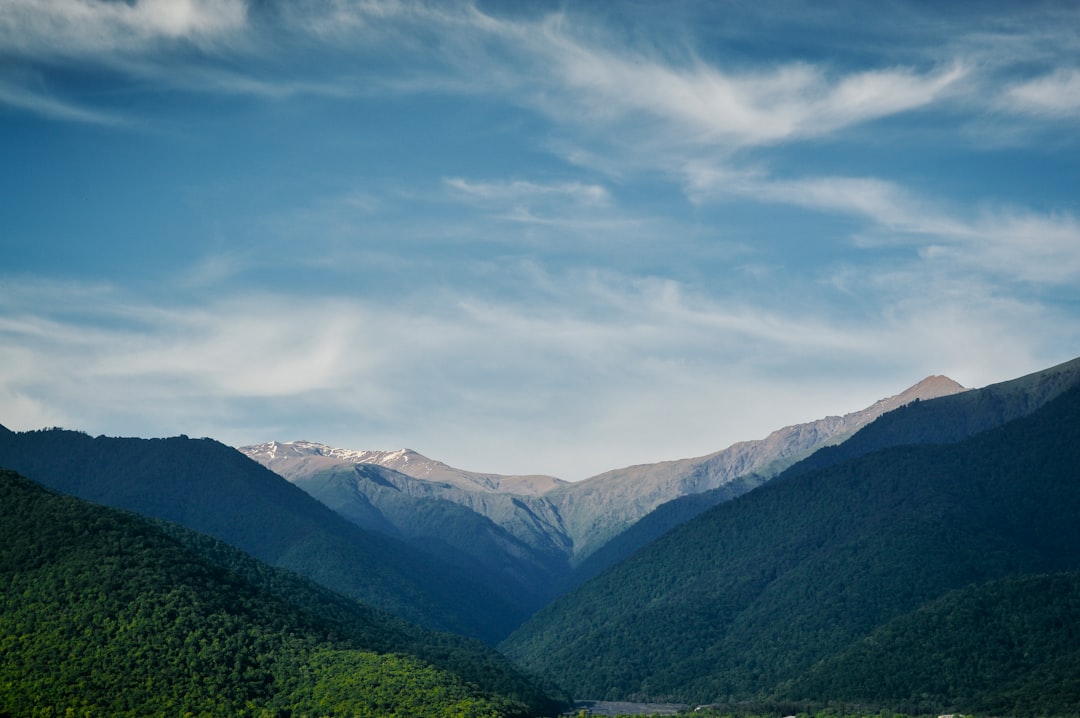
(496, 527)
(302, 458)
(781, 592)
(107, 613)
(214, 489)
(513, 502)
(531, 530)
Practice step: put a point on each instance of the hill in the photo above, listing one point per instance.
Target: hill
(213, 489)
(104, 613)
(746, 598)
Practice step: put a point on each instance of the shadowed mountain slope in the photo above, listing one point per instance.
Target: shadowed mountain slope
(512, 542)
(381, 499)
(214, 489)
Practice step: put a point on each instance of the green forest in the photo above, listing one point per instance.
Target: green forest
(104, 614)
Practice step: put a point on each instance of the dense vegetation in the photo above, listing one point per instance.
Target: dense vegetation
(1009, 647)
(216, 490)
(374, 629)
(744, 600)
(102, 613)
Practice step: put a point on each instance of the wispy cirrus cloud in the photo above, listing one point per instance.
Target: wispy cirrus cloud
(133, 39)
(501, 231)
(705, 104)
(558, 64)
(563, 64)
(513, 190)
(20, 92)
(1054, 95)
(1016, 243)
(578, 207)
(1011, 242)
(465, 374)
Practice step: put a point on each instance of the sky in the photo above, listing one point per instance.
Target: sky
(527, 237)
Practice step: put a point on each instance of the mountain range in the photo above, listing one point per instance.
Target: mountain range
(920, 555)
(531, 533)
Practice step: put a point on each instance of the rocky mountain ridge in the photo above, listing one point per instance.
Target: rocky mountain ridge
(634, 491)
(302, 458)
(550, 515)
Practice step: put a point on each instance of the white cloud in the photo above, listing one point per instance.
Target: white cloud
(519, 190)
(127, 37)
(1054, 95)
(1031, 247)
(569, 371)
(70, 28)
(566, 65)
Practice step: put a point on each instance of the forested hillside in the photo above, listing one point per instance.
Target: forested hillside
(745, 599)
(104, 614)
(214, 489)
(1009, 647)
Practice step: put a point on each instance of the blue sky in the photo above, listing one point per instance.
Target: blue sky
(547, 237)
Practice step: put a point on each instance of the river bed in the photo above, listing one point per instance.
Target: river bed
(616, 708)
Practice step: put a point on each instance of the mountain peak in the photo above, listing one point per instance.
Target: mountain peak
(938, 385)
(932, 387)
